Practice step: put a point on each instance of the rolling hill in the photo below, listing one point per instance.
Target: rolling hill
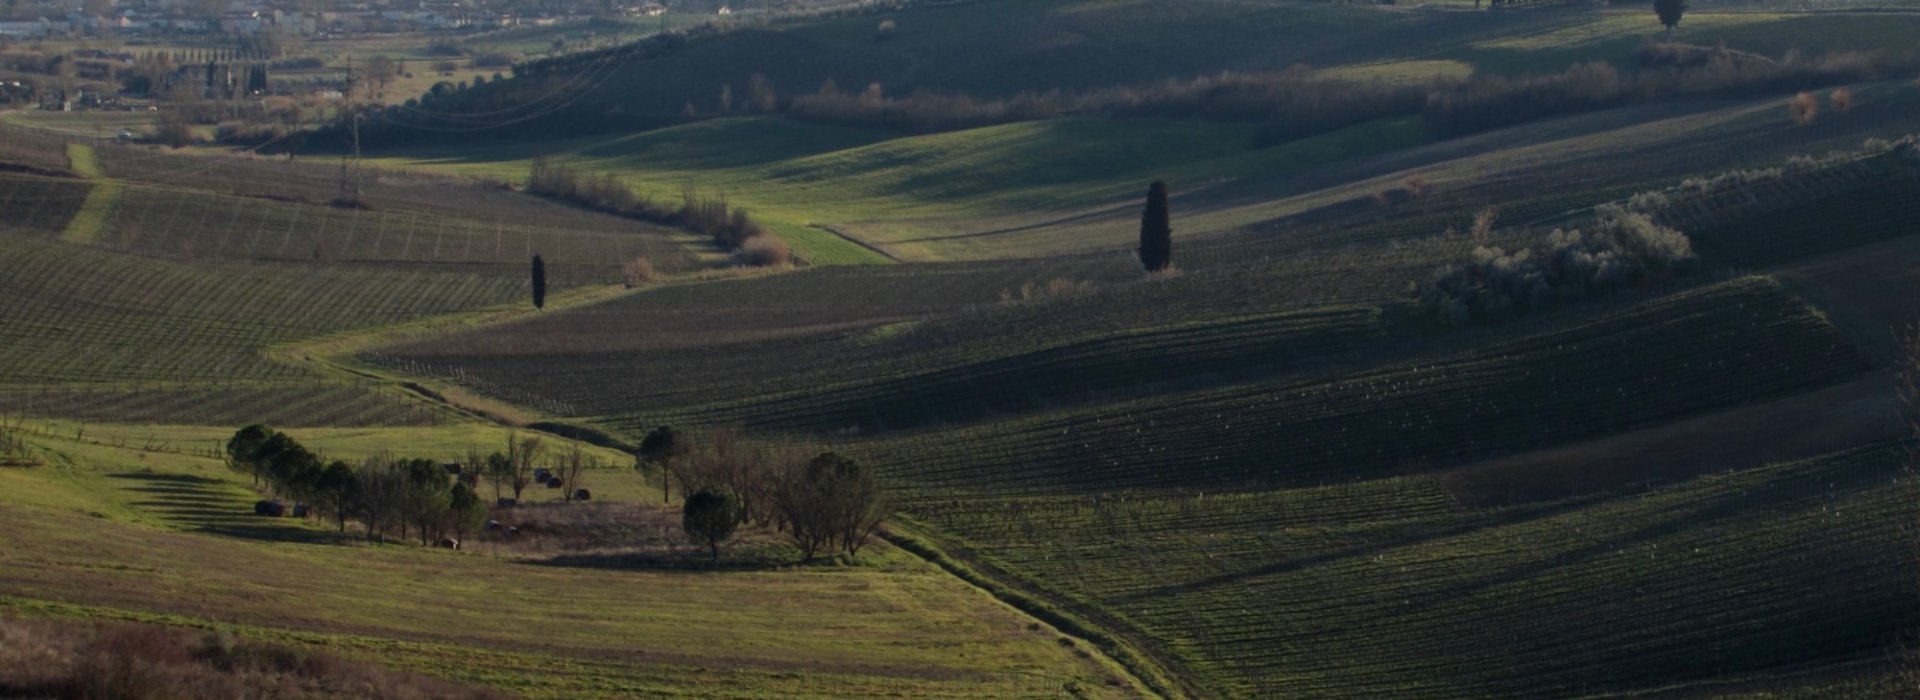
(1637, 462)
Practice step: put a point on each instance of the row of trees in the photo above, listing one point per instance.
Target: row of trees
(13, 449)
(384, 493)
(1299, 102)
(730, 227)
(823, 502)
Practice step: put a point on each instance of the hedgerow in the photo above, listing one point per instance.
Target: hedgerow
(1621, 248)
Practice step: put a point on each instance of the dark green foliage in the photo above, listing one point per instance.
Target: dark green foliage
(1670, 12)
(709, 517)
(465, 511)
(286, 466)
(714, 217)
(426, 496)
(241, 446)
(660, 448)
(336, 489)
(1156, 230)
(539, 283)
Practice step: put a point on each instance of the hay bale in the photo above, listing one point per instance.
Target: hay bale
(271, 509)
(582, 495)
(493, 525)
(504, 503)
(300, 510)
(555, 483)
(449, 543)
(541, 474)
(453, 468)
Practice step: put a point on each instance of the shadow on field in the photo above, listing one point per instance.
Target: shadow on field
(209, 506)
(1435, 533)
(659, 561)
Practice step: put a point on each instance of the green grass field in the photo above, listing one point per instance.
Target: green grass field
(927, 197)
(87, 223)
(169, 538)
(1267, 472)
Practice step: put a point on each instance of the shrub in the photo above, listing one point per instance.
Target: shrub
(765, 250)
(1056, 288)
(709, 517)
(1842, 99)
(1416, 185)
(924, 112)
(1483, 222)
(445, 47)
(494, 59)
(43, 658)
(174, 131)
(639, 271)
(1803, 109)
(1622, 247)
(301, 63)
(14, 451)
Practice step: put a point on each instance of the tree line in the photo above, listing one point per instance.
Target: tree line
(822, 502)
(730, 227)
(396, 496)
(1287, 104)
(1299, 102)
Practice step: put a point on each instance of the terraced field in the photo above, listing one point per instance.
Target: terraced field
(1264, 473)
(224, 207)
(1821, 225)
(172, 224)
(38, 205)
(925, 197)
(114, 337)
(980, 194)
(879, 331)
(1387, 588)
(90, 316)
(1716, 346)
(148, 287)
(332, 402)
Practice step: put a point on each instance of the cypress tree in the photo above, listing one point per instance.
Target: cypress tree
(1670, 12)
(539, 283)
(1156, 230)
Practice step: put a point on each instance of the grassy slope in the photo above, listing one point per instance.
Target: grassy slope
(175, 325)
(108, 532)
(1004, 47)
(1106, 494)
(88, 222)
(1071, 185)
(909, 195)
(1041, 189)
(1614, 35)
